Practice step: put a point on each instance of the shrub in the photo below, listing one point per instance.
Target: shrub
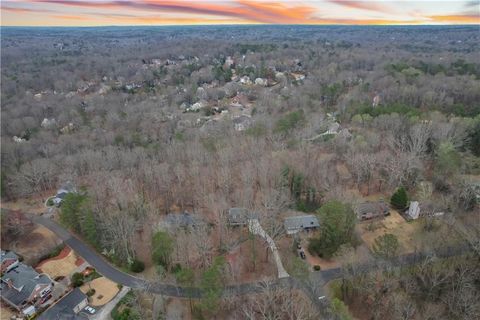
(137, 266)
(317, 267)
(77, 279)
(399, 199)
(176, 268)
(90, 292)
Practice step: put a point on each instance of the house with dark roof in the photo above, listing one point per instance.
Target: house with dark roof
(182, 220)
(23, 286)
(370, 210)
(239, 216)
(301, 223)
(68, 308)
(9, 260)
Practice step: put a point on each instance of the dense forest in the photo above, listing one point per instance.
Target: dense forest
(150, 121)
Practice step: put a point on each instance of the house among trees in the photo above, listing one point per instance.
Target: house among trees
(68, 307)
(182, 220)
(301, 223)
(22, 287)
(9, 260)
(62, 192)
(370, 210)
(239, 216)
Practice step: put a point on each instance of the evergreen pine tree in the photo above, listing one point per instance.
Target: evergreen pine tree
(399, 199)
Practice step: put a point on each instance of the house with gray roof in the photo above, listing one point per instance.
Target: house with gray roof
(301, 223)
(9, 260)
(67, 188)
(23, 286)
(239, 216)
(181, 220)
(67, 308)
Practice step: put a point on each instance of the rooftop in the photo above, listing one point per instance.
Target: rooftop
(301, 222)
(372, 207)
(63, 309)
(7, 255)
(24, 279)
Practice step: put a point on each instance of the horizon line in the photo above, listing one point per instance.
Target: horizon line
(249, 24)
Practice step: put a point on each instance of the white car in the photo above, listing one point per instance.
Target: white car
(90, 309)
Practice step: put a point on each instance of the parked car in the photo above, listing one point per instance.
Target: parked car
(302, 255)
(90, 309)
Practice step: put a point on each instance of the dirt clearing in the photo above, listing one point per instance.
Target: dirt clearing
(105, 290)
(394, 224)
(60, 266)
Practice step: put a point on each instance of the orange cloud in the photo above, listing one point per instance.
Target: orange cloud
(364, 5)
(25, 10)
(271, 12)
(457, 19)
(69, 17)
(218, 12)
(297, 14)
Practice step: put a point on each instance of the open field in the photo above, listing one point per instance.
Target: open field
(394, 224)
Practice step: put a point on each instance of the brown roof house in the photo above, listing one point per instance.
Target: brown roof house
(370, 210)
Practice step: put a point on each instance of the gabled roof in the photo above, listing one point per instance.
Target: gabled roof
(63, 309)
(24, 279)
(301, 222)
(23, 274)
(371, 207)
(240, 215)
(184, 219)
(7, 255)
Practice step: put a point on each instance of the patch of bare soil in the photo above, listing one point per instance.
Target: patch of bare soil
(61, 266)
(105, 290)
(5, 312)
(394, 224)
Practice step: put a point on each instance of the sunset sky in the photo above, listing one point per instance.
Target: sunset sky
(180, 12)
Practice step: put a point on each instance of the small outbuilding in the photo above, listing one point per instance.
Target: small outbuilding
(413, 211)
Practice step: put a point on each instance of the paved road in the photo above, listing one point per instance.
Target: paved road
(106, 269)
(313, 290)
